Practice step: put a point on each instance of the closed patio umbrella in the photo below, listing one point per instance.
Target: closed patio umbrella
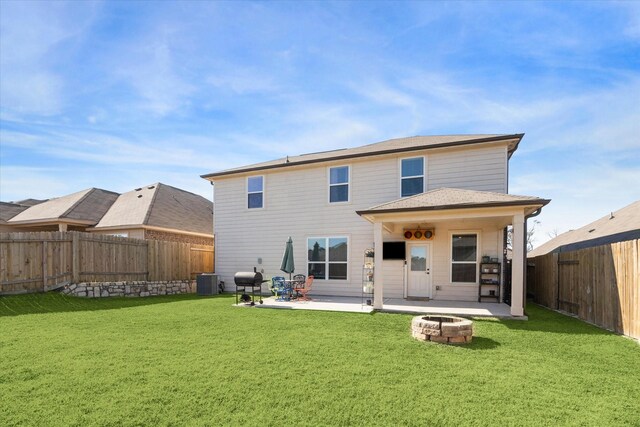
(287, 259)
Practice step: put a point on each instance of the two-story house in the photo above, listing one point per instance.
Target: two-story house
(431, 207)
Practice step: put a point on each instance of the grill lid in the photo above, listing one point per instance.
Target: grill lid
(248, 278)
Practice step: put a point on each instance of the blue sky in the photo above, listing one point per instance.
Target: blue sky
(117, 95)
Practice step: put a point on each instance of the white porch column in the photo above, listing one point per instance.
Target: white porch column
(62, 227)
(377, 272)
(517, 266)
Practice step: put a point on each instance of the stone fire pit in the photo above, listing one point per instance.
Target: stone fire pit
(444, 329)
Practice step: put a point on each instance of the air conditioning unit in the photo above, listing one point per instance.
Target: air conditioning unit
(207, 284)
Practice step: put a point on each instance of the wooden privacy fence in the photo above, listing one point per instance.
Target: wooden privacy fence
(41, 261)
(600, 284)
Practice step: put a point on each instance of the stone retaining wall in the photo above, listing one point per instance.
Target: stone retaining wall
(129, 289)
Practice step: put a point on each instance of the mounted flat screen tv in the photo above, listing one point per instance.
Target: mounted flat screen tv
(393, 250)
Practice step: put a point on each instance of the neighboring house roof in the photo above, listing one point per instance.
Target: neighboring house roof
(623, 224)
(162, 206)
(398, 145)
(453, 198)
(9, 210)
(30, 202)
(83, 207)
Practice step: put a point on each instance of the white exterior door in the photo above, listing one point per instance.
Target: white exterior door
(419, 270)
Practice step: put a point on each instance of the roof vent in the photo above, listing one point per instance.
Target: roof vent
(592, 230)
(611, 216)
(139, 195)
(138, 189)
(151, 187)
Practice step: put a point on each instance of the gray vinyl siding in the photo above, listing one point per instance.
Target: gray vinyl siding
(296, 204)
(481, 169)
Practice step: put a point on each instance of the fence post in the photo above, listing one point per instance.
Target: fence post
(190, 262)
(556, 275)
(75, 257)
(44, 265)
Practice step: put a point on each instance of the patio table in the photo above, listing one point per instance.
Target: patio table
(292, 283)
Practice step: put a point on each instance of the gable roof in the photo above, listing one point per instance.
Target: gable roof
(453, 198)
(83, 207)
(623, 224)
(160, 205)
(9, 210)
(390, 146)
(30, 202)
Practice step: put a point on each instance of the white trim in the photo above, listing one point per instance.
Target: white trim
(478, 234)
(247, 192)
(348, 183)
(424, 173)
(408, 268)
(501, 257)
(405, 278)
(426, 170)
(506, 170)
(51, 221)
(326, 262)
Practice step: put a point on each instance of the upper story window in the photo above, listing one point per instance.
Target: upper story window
(255, 192)
(412, 176)
(339, 184)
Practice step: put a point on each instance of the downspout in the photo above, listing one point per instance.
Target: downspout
(213, 226)
(526, 228)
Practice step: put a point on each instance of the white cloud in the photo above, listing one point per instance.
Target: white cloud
(30, 40)
(104, 149)
(243, 80)
(150, 68)
(23, 182)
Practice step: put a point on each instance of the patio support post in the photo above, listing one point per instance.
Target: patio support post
(377, 272)
(517, 273)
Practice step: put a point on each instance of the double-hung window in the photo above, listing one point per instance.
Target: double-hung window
(464, 257)
(411, 176)
(328, 257)
(255, 192)
(339, 184)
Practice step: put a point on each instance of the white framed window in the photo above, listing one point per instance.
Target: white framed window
(328, 258)
(411, 176)
(255, 192)
(464, 257)
(339, 179)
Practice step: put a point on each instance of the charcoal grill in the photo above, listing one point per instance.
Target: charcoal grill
(252, 280)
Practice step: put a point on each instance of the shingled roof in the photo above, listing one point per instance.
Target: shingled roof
(9, 210)
(84, 207)
(30, 202)
(620, 225)
(453, 198)
(390, 146)
(163, 206)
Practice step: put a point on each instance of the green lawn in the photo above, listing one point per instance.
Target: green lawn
(186, 360)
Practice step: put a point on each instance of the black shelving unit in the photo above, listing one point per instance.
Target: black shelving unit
(489, 288)
(367, 278)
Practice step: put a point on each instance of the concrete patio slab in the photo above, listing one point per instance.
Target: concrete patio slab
(392, 305)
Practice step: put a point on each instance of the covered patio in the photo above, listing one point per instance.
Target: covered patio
(442, 272)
